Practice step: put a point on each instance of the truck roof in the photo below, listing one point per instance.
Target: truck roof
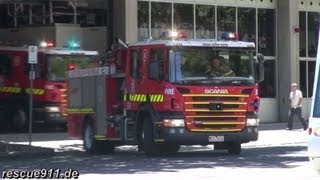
(51, 50)
(197, 43)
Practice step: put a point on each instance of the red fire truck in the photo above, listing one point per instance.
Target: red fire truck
(164, 97)
(49, 93)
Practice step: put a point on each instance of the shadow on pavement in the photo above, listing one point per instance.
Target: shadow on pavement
(134, 162)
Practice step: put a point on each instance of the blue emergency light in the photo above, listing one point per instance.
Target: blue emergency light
(230, 36)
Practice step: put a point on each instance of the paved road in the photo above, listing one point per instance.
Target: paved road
(278, 154)
(277, 162)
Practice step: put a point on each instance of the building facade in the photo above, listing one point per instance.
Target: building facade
(284, 31)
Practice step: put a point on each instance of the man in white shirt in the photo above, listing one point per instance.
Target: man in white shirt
(295, 100)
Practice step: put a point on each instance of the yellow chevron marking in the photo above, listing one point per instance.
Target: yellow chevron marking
(10, 89)
(144, 98)
(161, 99)
(158, 98)
(35, 91)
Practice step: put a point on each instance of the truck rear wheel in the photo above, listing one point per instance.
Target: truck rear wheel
(149, 146)
(20, 120)
(93, 146)
(234, 148)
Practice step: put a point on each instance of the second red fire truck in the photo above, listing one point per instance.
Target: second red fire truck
(163, 97)
(49, 93)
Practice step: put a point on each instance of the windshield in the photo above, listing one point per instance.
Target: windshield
(59, 64)
(202, 65)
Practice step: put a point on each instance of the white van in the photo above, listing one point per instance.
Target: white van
(314, 120)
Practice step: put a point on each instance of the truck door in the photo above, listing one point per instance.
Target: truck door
(134, 78)
(156, 76)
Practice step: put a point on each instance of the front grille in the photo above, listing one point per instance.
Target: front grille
(215, 112)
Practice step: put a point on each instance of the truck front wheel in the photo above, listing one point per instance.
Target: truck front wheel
(234, 148)
(149, 146)
(93, 146)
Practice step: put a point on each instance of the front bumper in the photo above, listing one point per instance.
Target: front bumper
(180, 135)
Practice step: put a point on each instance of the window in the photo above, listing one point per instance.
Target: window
(308, 22)
(303, 78)
(302, 34)
(143, 20)
(205, 22)
(226, 19)
(161, 18)
(135, 63)
(311, 73)
(58, 64)
(307, 72)
(266, 26)
(313, 23)
(247, 24)
(183, 18)
(267, 87)
(5, 66)
(157, 56)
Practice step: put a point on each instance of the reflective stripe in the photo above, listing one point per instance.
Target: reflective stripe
(80, 110)
(35, 91)
(100, 137)
(10, 89)
(143, 97)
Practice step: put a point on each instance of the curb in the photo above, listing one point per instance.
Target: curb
(18, 151)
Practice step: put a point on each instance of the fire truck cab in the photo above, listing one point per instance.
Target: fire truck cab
(168, 95)
(49, 92)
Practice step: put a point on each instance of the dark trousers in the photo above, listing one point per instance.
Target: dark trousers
(297, 112)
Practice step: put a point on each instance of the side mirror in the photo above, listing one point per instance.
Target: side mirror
(260, 58)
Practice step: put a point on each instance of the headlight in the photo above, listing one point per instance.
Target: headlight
(173, 122)
(53, 109)
(252, 122)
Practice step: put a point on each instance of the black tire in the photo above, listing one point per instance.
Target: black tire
(20, 120)
(234, 148)
(93, 146)
(149, 146)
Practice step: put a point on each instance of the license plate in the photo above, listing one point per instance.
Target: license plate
(216, 138)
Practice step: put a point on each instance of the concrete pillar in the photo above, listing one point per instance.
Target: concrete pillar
(288, 52)
(125, 20)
